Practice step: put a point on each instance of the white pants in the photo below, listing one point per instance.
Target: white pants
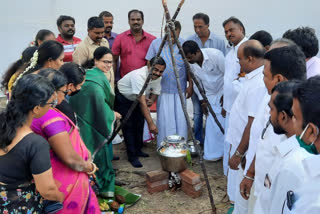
(240, 205)
(214, 139)
(226, 147)
(170, 117)
(232, 178)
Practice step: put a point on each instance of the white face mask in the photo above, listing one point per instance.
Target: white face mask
(304, 131)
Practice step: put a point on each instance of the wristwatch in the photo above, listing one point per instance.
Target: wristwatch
(239, 154)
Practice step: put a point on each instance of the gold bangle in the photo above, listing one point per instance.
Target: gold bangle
(94, 169)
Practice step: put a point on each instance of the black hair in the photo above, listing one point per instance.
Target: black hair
(202, 16)
(289, 61)
(190, 46)
(74, 73)
(263, 37)
(18, 65)
(100, 52)
(41, 35)
(57, 78)
(283, 101)
(105, 14)
(135, 11)
(249, 50)
(307, 93)
(48, 50)
(158, 61)
(306, 39)
(31, 90)
(236, 21)
(63, 18)
(95, 22)
(177, 24)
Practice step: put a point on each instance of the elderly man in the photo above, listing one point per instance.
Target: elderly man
(243, 111)
(235, 34)
(126, 93)
(208, 67)
(66, 27)
(307, 40)
(132, 45)
(205, 39)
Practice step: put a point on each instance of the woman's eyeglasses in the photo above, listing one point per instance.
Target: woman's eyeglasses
(65, 92)
(53, 103)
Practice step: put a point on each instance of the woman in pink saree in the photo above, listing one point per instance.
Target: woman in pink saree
(70, 158)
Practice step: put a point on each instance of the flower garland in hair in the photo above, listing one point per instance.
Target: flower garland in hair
(33, 63)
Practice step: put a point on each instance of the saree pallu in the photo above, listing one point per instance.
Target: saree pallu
(21, 198)
(79, 196)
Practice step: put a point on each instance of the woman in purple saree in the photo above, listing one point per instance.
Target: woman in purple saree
(70, 158)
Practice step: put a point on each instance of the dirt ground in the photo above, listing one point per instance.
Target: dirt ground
(169, 202)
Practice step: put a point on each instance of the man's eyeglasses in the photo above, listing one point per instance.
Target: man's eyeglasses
(65, 92)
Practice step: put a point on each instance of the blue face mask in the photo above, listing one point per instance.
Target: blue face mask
(311, 148)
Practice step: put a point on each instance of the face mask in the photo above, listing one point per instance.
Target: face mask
(74, 93)
(311, 148)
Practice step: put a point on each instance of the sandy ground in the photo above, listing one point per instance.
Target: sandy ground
(168, 201)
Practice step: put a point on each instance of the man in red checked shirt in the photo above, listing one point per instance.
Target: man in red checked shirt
(66, 27)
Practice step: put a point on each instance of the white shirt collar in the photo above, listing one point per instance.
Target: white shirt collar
(312, 165)
(254, 72)
(242, 41)
(287, 146)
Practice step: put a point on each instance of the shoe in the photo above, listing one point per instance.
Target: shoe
(116, 158)
(136, 163)
(142, 154)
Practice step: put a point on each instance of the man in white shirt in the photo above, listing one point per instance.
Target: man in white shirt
(208, 67)
(281, 64)
(287, 172)
(306, 113)
(306, 39)
(235, 34)
(127, 91)
(250, 55)
(205, 39)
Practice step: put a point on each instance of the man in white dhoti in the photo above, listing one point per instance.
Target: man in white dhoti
(243, 111)
(170, 117)
(208, 67)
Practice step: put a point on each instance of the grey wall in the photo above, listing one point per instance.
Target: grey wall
(20, 20)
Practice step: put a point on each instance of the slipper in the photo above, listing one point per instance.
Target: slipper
(230, 210)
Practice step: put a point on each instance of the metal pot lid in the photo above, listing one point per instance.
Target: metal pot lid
(174, 139)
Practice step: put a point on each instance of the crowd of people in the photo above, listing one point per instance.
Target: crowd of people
(66, 94)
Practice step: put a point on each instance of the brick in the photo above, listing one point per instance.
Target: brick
(156, 183)
(157, 175)
(190, 192)
(190, 177)
(160, 188)
(195, 187)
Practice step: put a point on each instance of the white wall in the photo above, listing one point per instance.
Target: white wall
(20, 20)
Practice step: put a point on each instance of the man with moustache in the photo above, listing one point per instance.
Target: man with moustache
(66, 27)
(235, 34)
(205, 39)
(132, 45)
(83, 55)
(107, 18)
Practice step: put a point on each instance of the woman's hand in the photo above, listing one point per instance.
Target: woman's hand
(117, 115)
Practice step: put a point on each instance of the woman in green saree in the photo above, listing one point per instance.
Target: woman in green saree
(94, 108)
